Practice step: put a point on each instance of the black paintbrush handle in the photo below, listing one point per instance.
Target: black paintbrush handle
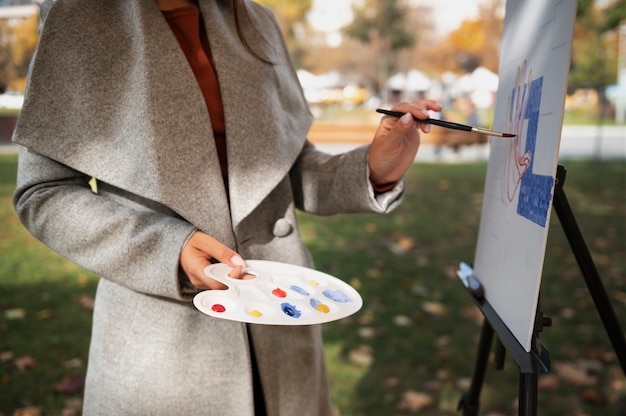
(440, 123)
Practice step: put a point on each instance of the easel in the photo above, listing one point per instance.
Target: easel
(537, 360)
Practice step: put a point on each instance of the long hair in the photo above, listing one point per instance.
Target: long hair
(239, 7)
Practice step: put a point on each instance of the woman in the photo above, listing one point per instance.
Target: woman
(139, 166)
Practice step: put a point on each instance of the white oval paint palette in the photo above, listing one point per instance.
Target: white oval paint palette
(278, 294)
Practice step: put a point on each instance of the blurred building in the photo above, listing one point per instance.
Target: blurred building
(12, 10)
(9, 3)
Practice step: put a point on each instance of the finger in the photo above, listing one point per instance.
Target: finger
(236, 272)
(419, 109)
(404, 124)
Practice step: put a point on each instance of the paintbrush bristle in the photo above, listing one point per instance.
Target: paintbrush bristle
(508, 135)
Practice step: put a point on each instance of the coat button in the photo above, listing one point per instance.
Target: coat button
(282, 228)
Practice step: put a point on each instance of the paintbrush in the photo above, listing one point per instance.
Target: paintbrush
(449, 124)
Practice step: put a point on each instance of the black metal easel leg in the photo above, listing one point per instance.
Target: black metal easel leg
(470, 402)
(528, 394)
(588, 269)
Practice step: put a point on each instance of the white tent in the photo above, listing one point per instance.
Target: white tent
(412, 81)
(481, 79)
(481, 85)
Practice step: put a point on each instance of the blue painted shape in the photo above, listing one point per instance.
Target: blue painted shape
(535, 190)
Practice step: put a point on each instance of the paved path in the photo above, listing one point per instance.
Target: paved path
(577, 142)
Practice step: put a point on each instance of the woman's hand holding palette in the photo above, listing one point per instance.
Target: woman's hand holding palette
(278, 294)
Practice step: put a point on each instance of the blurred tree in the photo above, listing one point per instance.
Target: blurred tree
(23, 44)
(476, 42)
(6, 66)
(18, 41)
(595, 48)
(291, 15)
(383, 26)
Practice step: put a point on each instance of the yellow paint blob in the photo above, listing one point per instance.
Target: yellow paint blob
(322, 308)
(313, 282)
(255, 313)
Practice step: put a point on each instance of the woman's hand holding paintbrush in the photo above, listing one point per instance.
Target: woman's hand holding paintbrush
(396, 142)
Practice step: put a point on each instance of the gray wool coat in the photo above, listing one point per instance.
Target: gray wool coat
(110, 96)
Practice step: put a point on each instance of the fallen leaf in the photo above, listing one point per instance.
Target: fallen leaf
(402, 245)
(434, 385)
(373, 273)
(355, 283)
(370, 227)
(392, 381)
(574, 374)
(73, 363)
(366, 317)
(401, 320)
(548, 382)
(68, 411)
(15, 314)
(450, 272)
(442, 341)
(422, 261)
(568, 313)
(43, 315)
(86, 301)
(70, 385)
(24, 362)
(472, 313)
(83, 281)
(413, 401)
(73, 406)
(419, 290)
(6, 356)
(434, 308)
(362, 356)
(442, 374)
(593, 396)
(463, 383)
(367, 332)
(28, 411)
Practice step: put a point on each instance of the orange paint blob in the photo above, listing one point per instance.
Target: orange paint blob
(322, 308)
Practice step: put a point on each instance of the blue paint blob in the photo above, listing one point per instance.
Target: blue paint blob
(290, 310)
(299, 290)
(337, 296)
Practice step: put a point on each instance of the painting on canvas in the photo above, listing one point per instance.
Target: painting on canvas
(517, 201)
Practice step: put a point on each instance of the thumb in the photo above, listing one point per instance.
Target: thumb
(232, 258)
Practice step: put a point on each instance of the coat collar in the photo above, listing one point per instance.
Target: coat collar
(120, 103)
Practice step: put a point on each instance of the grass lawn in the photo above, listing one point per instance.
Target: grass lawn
(411, 349)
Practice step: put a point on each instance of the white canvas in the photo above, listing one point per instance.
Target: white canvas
(517, 201)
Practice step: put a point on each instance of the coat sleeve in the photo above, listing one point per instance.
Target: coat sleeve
(331, 184)
(134, 245)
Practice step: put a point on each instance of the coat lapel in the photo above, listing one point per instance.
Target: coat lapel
(121, 104)
(267, 117)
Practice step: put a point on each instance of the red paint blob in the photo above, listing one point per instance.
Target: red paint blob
(218, 308)
(278, 292)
